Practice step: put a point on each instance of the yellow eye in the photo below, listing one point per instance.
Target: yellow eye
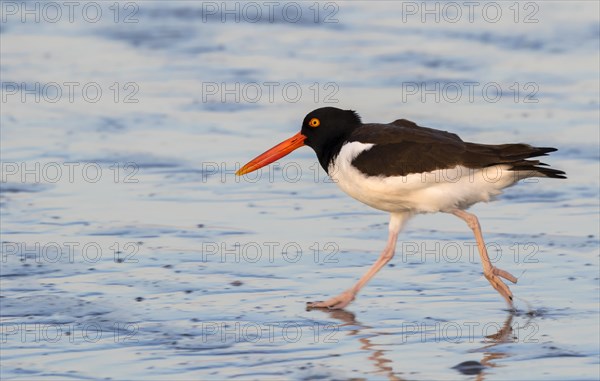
(314, 122)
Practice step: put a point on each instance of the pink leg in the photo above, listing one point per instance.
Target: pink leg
(492, 273)
(337, 302)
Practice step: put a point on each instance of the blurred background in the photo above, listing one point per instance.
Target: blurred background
(131, 251)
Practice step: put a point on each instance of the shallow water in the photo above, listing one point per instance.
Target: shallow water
(131, 251)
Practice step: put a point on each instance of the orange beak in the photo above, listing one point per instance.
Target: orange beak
(277, 152)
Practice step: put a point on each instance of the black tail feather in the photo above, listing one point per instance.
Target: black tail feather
(516, 156)
(534, 170)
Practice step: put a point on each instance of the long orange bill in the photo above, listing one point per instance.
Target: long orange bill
(277, 152)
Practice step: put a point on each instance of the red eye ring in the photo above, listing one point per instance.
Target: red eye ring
(314, 122)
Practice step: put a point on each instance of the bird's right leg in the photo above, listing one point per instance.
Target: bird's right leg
(492, 273)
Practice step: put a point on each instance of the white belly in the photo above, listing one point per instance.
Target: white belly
(439, 190)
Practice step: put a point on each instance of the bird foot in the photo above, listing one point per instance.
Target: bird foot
(493, 275)
(335, 303)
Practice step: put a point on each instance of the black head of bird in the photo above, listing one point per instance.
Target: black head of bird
(324, 130)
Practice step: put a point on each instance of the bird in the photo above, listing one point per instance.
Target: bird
(405, 169)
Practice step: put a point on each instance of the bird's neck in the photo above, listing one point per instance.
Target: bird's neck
(328, 152)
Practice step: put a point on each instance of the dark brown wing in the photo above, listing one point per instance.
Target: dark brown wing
(402, 147)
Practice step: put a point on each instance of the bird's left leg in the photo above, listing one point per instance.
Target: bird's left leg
(337, 302)
(491, 272)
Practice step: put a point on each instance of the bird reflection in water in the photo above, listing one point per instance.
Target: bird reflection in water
(503, 336)
(384, 365)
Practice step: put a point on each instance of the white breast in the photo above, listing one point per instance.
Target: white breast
(439, 190)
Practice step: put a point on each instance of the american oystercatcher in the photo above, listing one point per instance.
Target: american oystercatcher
(405, 169)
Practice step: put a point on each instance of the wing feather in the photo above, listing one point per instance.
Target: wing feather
(402, 148)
